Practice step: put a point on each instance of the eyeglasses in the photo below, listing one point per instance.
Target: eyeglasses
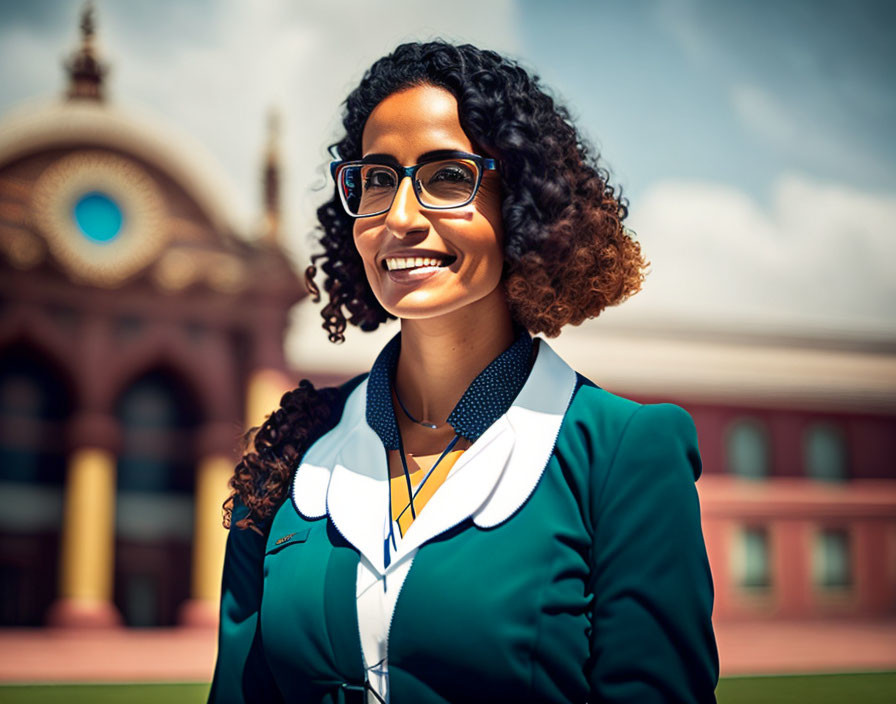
(448, 180)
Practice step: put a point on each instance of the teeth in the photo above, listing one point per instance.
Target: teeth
(396, 263)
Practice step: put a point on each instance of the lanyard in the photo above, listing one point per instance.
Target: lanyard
(387, 557)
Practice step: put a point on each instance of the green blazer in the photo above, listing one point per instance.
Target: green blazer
(565, 563)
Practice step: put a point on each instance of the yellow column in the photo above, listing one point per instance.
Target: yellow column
(266, 387)
(213, 472)
(210, 535)
(88, 541)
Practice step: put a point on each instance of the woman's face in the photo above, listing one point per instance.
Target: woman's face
(461, 247)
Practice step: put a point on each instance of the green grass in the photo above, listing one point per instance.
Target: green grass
(861, 688)
(868, 688)
(104, 693)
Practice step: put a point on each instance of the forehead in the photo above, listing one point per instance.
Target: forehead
(412, 122)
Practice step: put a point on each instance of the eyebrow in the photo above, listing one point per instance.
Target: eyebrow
(428, 156)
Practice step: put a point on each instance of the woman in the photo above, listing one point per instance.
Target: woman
(472, 521)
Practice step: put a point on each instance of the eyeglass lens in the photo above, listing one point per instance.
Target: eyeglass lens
(370, 188)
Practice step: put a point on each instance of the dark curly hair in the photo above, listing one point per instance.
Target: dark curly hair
(567, 255)
(272, 452)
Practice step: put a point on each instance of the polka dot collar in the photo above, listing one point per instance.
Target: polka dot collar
(486, 399)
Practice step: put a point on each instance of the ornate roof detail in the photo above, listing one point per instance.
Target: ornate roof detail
(85, 70)
(270, 231)
(105, 197)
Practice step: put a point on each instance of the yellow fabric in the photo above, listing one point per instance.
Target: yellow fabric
(401, 511)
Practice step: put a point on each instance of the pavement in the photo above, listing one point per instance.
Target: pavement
(188, 654)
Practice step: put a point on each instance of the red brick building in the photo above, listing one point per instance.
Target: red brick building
(798, 439)
(139, 330)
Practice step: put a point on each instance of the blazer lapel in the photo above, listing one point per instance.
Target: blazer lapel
(535, 419)
(345, 474)
(312, 479)
(357, 498)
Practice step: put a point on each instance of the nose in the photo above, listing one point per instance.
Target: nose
(404, 215)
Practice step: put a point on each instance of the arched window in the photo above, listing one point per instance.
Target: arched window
(153, 422)
(33, 407)
(747, 449)
(824, 452)
(831, 559)
(154, 508)
(35, 404)
(751, 561)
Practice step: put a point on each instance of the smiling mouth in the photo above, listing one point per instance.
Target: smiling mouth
(408, 263)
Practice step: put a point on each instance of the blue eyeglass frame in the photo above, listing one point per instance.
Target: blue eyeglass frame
(484, 164)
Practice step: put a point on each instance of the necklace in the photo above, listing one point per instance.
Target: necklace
(424, 423)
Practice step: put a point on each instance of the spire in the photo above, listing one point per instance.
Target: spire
(271, 181)
(85, 71)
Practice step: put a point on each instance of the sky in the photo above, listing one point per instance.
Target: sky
(754, 141)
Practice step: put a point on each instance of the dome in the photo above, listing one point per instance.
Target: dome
(40, 126)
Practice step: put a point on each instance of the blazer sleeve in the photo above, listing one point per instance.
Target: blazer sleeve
(652, 638)
(242, 674)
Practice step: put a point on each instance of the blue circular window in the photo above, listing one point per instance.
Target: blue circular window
(98, 216)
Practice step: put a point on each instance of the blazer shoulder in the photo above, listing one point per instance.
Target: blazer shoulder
(592, 403)
(596, 408)
(605, 422)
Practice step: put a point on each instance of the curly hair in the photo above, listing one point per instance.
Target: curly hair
(262, 475)
(567, 255)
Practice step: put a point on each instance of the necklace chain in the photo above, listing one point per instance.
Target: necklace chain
(424, 423)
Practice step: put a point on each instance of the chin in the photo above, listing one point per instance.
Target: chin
(423, 309)
(423, 305)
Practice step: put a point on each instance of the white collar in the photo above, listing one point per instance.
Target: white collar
(344, 473)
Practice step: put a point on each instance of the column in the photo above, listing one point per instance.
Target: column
(791, 579)
(87, 559)
(215, 467)
(267, 381)
(266, 388)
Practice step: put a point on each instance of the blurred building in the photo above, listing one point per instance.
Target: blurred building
(139, 330)
(798, 440)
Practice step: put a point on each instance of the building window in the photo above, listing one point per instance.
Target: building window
(33, 408)
(748, 449)
(98, 216)
(824, 452)
(831, 560)
(751, 568)
(154, 498)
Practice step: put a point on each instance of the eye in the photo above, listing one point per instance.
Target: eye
(452, 172)
(377, 177)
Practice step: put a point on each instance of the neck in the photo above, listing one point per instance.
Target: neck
(441, 356)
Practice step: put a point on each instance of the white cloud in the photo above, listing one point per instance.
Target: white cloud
(821, 255)
(31, 63)
(794, 131)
